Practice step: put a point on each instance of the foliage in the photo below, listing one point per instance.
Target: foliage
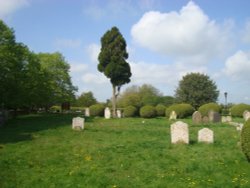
(238, 109)
(112, 61)
(204, 109)
(96, 110)
(86, 99)
(147, 111)
(196, 89)
(130, 111)
(245, 139)
(160, 110)
(182, 110)
(55, 108)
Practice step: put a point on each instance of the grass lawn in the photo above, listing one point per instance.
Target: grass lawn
(43, 151)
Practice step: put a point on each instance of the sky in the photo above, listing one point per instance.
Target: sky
(166, 39)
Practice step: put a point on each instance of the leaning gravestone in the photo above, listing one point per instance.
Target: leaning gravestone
(214, 117)
(179, 133)
(78, 123)
(107, 113)
(246, 115)
(206, 135)
(173, 115)
(197, 117)
(87, 113)
(119, 113)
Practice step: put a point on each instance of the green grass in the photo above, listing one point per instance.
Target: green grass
(43, 151)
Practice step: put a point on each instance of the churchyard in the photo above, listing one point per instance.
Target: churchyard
(44, 150)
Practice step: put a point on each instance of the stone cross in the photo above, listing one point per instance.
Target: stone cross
(197, 117)
(87, 113)
(179, 133)
(173, 115)
(107, 113)
(78, 123)
(206, 135)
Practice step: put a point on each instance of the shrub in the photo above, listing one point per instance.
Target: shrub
(237, 110)
(55, 109)
(130, 111)
(96, 110)
(182, 110)
(160, 110)
(245, 139)
(75, 109)
(205, 108)
(147, 111)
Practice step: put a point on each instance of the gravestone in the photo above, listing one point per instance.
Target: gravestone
(205, 119)
(78, 123)
(197, 117)
(119, 113)
(107, 113)
(226, 119)
(173, 115)
(206, 135)
(214, 117)
(246, 115)
(87, 113)
(179, 133)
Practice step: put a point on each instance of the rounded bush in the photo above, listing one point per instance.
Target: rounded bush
(96, 110)
(182, 110)
(55, 108)
(237, 110)
(147, 111)
(130, 111)
(160, 110)
(205, 108)
(245, 139)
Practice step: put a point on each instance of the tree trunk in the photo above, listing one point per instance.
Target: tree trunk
(114, 102)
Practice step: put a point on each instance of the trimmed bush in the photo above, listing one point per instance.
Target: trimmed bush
(160, 110)
(182, 110)
(204, 109)
(237, 110)
(130, 111)
(147, 111)
(245, 139)
(55, 109)
(96, 110)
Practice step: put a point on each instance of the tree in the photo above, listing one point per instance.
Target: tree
(112, 62)
(196, 89)
(86, 99)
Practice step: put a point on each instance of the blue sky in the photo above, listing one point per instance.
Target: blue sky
(166, 39)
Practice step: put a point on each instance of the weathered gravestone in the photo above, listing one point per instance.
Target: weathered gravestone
(173, 115)
(226, 119)
(205, 119)
(107, 113)
(119, 113)
(214, 117)
(179, 133)
(197, 117)
(78, 123)
(246, 115)
(87, 113)
(206, 135)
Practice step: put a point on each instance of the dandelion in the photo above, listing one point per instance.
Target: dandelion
(87, 158)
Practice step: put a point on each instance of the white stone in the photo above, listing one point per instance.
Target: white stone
(246, 115)
(173, 115)
(87, 112)
(119, 113)
(78, 123)
(206, 135)
(107, 113)
(179, 132)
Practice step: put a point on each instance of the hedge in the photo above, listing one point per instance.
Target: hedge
(182, 110)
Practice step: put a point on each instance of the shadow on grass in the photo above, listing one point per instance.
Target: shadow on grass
(22, 127)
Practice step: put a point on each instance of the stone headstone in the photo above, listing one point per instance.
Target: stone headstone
(78, 123)
(226, 119)
(246, 115)
(107, 113)
(179, 132)
(205, 119)
(197, 117)
(214, 117)
(173, 115)
(87, 112)
(119, 113)
(206, 135)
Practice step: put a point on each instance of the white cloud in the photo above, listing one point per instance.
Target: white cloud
(7, 7)
(238, 66)
(246, 33)
(94, 78)
(188, 33)
(93, 51)
(67, 43)
(78, 67)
